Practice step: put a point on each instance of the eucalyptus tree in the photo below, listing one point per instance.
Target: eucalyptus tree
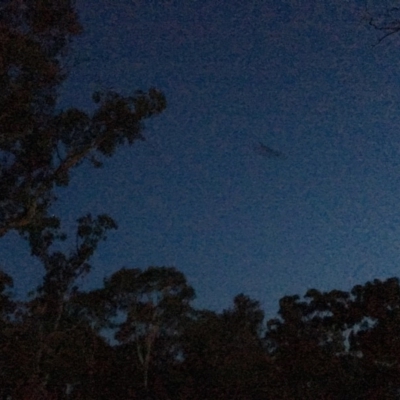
(148, 310)
(223, 353)
(48, 344)
(39, 144)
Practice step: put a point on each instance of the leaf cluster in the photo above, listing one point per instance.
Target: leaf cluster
(39, 144)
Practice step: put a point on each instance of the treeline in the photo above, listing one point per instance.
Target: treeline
(139, 337)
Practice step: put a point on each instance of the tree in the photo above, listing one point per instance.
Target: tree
(377, 339)
(338, 345)
(57, 345)
(223, 354)
(7, 306)
(306, 343)
(148, 310)
(39, 146)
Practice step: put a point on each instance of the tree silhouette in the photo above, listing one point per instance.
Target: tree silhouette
(223, 353)
(339, 345)
(39, 145)
(156, 303)
(49, 332)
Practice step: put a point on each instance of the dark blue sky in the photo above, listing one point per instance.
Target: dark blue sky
(304, 79)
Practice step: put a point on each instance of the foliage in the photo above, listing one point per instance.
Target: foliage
(155, 304)
(333, 345)
(40, 145)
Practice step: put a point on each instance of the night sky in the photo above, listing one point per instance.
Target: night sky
(302, 78)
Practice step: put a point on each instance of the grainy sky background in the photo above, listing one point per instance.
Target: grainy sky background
(302, 77)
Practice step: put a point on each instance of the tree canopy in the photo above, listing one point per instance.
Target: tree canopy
(336, 345)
